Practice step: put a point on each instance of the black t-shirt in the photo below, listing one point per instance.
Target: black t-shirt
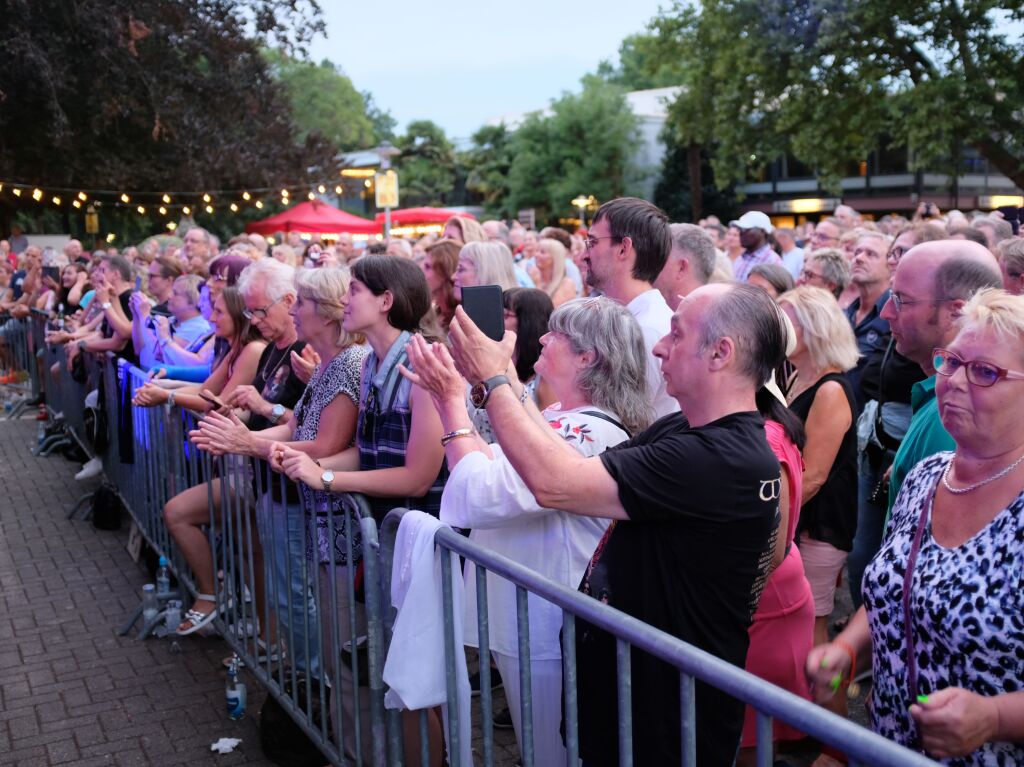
(277, 384)
(691, 560)
(831, 515)
(128, 350)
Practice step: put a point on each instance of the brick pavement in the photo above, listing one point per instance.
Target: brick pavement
(71, 691)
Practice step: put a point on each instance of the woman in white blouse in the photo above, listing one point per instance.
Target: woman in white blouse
(594, 360)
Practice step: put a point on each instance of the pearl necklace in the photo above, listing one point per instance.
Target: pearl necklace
(976, 485)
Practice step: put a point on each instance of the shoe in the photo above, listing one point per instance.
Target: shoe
(474, 682)
(92, 469)
(42, 415)
(503, 720)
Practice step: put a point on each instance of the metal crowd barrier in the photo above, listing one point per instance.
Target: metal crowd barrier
(861, 746)
(315, 634)
(19, 372)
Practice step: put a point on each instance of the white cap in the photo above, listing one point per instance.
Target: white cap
(754, 219)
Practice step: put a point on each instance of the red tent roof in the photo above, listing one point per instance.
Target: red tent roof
(315, 217)
(408, 216)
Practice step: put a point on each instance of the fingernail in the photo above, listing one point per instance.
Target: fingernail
(836, 681)
(922, 698)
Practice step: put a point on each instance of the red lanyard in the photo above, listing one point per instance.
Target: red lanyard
(908, 631)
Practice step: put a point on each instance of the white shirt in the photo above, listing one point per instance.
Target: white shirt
(655, 318)
(488, 496)
(793, 260)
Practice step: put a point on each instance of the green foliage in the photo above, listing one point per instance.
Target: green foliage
(488, 163)
(825, 80)
(426, 166)
(585, 146)
(673, 192)
(323, 101)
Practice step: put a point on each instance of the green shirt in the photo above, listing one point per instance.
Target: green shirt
(926, 436)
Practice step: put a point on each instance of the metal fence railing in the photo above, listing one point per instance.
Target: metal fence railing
(313, 628)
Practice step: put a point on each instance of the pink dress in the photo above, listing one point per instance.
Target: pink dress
(782, 632)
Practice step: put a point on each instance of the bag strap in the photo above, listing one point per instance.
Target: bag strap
(608, 418)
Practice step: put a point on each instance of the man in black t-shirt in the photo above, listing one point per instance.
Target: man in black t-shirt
(695, 501)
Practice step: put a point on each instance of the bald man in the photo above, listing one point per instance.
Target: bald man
(932, 283)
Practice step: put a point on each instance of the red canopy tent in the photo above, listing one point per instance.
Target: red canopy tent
(411, 216)
(315, 217)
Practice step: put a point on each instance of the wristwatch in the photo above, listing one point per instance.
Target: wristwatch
(105, 305)
(481, 392)
(276, 412)
(327, 478)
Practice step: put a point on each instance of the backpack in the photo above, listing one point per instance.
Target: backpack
(106, 508)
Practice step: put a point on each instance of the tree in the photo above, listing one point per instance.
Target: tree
(488, 163)
(323, 101)
(674, 191)
(825, 80)
(586, 145)
(157, 95)
(426, 165)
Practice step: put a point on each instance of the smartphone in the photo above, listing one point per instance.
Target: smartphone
(53, 272)
(138, 284)
(483, 305)
(213, 401)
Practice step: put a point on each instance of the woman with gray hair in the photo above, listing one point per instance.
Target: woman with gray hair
(484, 263)
(594, 360)
(826, 268)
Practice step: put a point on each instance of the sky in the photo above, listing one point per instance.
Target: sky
(460, 63)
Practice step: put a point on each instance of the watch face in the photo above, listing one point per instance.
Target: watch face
(327, 476)
(478, 394)
(278, 410)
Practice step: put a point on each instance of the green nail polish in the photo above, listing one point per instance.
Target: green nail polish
(922, 698)
(836, 681)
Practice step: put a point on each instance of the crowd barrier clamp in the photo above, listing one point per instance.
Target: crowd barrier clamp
(315, 634)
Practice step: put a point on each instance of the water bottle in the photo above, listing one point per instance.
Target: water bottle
(172, 616)
(234, 692)
(163, 578)
(150, 605)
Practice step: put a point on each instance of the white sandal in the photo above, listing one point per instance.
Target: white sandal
(197, 619)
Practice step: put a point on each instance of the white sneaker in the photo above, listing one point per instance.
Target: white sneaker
(92, 469)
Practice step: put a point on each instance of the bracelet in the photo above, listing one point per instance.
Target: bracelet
(467, 432)
(852, 688)
(524, 396)
(170, 398)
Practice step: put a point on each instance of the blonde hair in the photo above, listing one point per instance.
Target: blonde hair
(1011, 254)
(493, 263)
(557, 251)
(289, 256)
(327, 287)
(827, 331)
(472, 230)
(997, 310)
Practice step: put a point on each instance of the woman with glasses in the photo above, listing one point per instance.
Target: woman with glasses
(944, 600)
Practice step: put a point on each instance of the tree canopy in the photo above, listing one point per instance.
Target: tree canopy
(585, 145)
(151, 94)
(426, 166)
(829, 80)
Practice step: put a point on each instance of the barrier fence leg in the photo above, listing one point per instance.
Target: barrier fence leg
(572, 733)
(624, 679)
(454, 745)
(688, 720)
(525, 684)
(484, 645)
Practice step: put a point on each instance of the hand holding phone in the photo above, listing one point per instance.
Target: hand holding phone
(484, 306)
(211, 398)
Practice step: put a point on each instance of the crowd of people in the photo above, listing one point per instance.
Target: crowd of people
(703, 425)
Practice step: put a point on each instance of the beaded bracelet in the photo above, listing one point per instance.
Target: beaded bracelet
(852, 688)
(445, 439)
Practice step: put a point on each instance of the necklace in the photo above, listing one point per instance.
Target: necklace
(269, 377)
(976, 485)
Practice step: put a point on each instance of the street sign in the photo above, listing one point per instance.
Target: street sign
(92, 221)
(386, 188)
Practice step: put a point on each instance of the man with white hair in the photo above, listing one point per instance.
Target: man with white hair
(792, 254)
(754, 228)
(158, 339)
(847, 216)
(690, 263)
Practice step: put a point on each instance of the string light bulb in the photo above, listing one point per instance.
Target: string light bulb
(206, 198)
(246, 196)
(311, 196)
(321, 189)
(234, 208)
(209, 209)
(284, 192)
(259, 204)
(82, 196)
(37, 194)
(163, 210)
(17, 192)
(171, 225)
(56, 200)
(186, 210)
(166, 198)
(125, 199)
(337, 189)
(76, 203)
(142, 210)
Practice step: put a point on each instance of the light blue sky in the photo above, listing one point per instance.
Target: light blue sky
(459, 63)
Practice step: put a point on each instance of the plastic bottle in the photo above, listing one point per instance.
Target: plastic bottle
(172, 615)
(163, 578)
(234, 692)
(60, 316)
(150, 605)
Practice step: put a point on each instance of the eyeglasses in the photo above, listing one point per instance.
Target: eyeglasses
(807, 276)
(979, 373)
(899, 301)
(259, 314)
(591, 242)
(822, 237)
(897, 252)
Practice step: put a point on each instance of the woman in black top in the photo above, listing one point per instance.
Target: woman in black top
(823, 399)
